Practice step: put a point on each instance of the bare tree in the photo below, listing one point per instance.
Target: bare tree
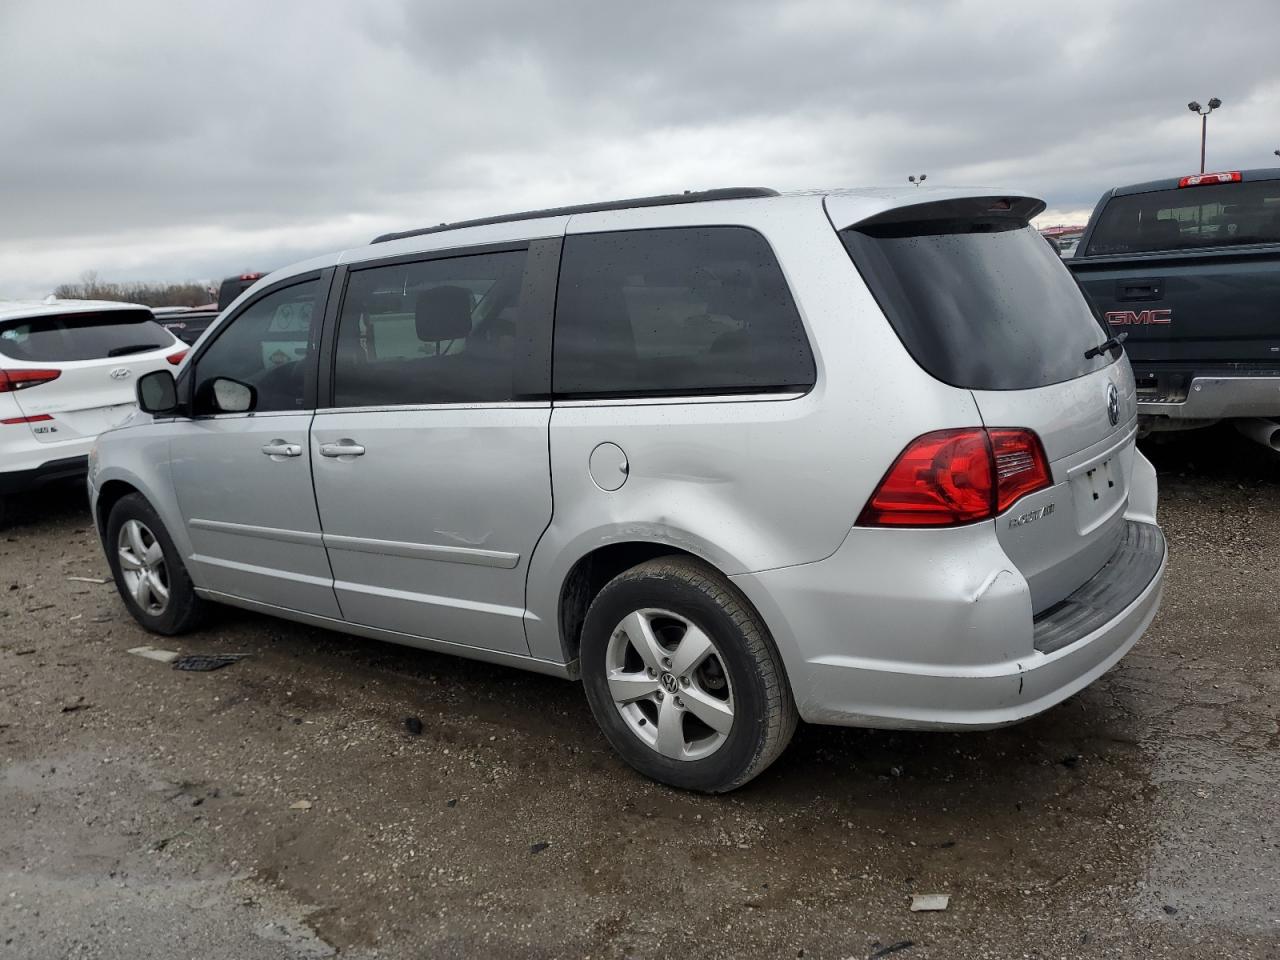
(189, 294)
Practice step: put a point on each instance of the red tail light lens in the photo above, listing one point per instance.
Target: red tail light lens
(38, 418)
(952, 477)
(11, 380)
(942, 479)
(1021, 466)
(176, 358)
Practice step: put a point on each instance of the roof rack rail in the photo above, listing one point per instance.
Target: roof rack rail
(689, 196)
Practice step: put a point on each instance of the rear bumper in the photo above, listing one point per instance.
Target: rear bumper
(1220, 398)
(67, 468)
(918, 647)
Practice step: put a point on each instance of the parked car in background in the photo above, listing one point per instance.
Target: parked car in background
(68, 370)
(1065, 239)
(733, 458)
(1189, 269)
(232, 287)
(185, 323)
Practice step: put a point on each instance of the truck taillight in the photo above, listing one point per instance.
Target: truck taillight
(1204, 179)
(11, 380)
(952, 477)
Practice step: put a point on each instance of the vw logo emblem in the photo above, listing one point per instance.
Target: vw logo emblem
(1113, 404)
(120, 373)
(670, 683)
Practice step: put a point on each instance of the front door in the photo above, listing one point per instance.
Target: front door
(431, 469)
(242, 465)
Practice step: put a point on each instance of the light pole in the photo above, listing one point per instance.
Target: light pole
(1195, 107)
(917, 180)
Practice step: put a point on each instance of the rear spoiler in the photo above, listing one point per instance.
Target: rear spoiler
(957, 208)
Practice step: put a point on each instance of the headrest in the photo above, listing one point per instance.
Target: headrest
(443, 313)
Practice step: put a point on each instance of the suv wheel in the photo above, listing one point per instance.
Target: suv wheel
(683, 678)
(148, 572)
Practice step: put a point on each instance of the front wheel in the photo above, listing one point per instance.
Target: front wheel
(149, 574)
(683, 678)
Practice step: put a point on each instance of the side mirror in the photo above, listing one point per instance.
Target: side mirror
(157, 393)
(232, 396)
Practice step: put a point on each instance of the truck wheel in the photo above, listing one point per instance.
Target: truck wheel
(149, 574)
(683, 678)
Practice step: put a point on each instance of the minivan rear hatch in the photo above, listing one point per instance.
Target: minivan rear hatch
(981, 301)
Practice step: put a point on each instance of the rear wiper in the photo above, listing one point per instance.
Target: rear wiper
(1111, 343)
(132, 348)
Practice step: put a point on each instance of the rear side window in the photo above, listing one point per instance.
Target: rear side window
(983, 304)
(435, 331)
(83, 336)
(688, 310)
(1217, 215)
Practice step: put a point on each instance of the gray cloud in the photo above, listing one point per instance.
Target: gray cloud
(166, 140)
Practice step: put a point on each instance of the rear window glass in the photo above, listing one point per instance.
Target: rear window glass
(437, 331)
(1221, 214)
(684, 310)
(83, 336)
(979, 304)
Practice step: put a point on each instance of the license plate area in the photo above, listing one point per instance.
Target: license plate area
(1099, 491)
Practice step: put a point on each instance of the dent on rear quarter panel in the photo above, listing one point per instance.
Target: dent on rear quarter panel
(746, 483)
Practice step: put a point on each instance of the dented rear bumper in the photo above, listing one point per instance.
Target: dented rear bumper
(907, 631)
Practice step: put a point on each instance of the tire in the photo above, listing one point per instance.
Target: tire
(642, 716)
(181, 611)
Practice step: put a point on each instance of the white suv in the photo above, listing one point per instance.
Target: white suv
(734, 459)
(68, 370)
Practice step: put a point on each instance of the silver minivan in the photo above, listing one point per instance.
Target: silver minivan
(733, 459)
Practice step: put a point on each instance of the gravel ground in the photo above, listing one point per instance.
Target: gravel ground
(279, 808)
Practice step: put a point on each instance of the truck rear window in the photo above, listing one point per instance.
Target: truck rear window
(83, 336)
(1222, 214)
(980, 303)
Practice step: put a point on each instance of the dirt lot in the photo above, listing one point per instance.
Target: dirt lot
(146, 812)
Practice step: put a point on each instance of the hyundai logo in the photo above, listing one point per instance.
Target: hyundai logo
(121, 373)
(1113, 404)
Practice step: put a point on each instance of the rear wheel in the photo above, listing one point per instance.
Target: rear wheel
(149, 574)
(683, 678)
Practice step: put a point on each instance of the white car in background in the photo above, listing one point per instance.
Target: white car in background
(67, 373)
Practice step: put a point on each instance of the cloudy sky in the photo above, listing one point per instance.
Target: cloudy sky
(174, 140)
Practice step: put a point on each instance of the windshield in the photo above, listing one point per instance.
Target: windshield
(83, 336)
(1217, 215)
(983, 304)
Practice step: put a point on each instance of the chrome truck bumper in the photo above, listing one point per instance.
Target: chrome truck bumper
(1220, 398)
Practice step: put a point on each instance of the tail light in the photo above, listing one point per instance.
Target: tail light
(11, 380)
(1204, 179)
(176, 358)
(952, 477)
(38, 418)
(1021, 466)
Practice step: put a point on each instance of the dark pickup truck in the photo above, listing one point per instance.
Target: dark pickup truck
(1189, 268)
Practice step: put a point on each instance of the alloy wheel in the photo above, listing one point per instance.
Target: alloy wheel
(143, 568)
(668, 681)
